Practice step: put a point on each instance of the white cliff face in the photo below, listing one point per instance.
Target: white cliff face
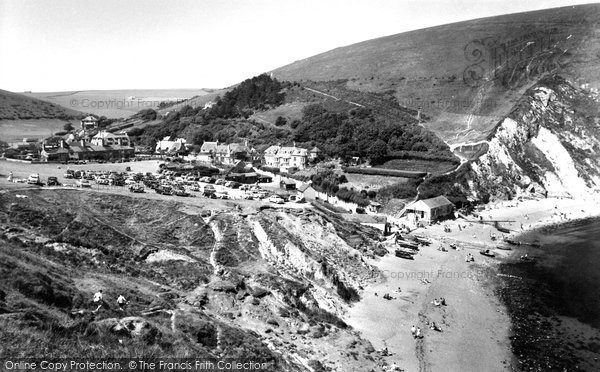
(565, 178)
(550, 144)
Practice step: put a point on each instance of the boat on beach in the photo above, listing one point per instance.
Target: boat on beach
(404, 254)
(487, 252)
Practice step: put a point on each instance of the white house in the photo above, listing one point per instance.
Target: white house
(286, 157)
(430, 210)
(167, 146)
(104, 138)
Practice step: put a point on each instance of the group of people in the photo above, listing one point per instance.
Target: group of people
(416, 332)
(470, 258)
(98, 301)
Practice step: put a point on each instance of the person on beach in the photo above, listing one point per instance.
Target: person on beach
(435, 302)
(413, 330)
(442, 301)
(418, 333)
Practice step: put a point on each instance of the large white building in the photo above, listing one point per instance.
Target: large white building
(286, 157)
(104, 138)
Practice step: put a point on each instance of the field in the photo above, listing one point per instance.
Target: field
(16, 130)
(116, 103)
(370, 182)
(428, 166)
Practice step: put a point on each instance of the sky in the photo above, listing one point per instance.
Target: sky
(65, 45)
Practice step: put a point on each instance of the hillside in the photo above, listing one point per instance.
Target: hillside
(268, 284)
(467, 75)
(15, 106)
(118, 103)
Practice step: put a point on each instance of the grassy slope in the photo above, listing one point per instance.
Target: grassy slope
(18, 106)
(419, 65)
(116, 103)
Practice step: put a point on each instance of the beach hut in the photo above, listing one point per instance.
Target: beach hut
(430, 210)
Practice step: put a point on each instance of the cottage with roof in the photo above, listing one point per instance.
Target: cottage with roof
(166, 146)
(430, 210)
(307, 192)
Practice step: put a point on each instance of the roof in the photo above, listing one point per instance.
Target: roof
(437, 202)
(304, 187)
(209, 146)
(104, 134)
(272, 150)
(241, 167)
(315, 149)
(89, 118)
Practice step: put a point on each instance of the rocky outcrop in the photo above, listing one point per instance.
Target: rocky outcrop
(548, 145)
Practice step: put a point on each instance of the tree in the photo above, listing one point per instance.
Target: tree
(68, 127)
(377, 151)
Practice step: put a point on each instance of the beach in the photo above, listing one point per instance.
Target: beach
(475, 323)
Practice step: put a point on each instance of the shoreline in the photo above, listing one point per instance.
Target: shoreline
(476, 321)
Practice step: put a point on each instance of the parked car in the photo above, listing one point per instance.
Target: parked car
(297, 199)
(220, 181)
(209, 188)
(52, 181)
(206, 179)
(164, 190)
(83, 183)
(103, 181)
(195, 187)
(136, 187)
(276, 199)
(178, 191)
(34, 179)
(209, 194)
(222, 195)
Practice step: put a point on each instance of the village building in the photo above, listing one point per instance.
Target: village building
(314, 153)
(228, 154)
(104, 138)
(54, 149)
(286, 158)
(103, 146)
(89, 122)
(242, 173)
(430, 210)
(168, 147)
(307, 192)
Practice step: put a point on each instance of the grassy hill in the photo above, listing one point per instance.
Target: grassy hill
(459, 74)
(118, 103)
(14, 106)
